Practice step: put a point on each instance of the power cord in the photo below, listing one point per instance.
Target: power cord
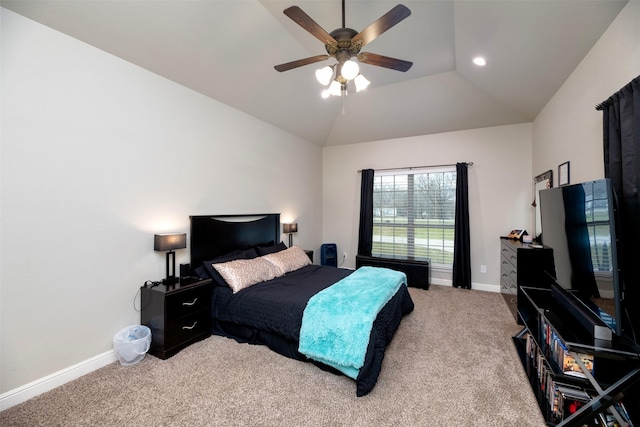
(147, 284)
(151, 284)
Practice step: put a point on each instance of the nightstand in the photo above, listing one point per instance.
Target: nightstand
(177, 315)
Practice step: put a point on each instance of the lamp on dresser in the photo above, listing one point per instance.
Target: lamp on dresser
(169, 243)
(290, 228)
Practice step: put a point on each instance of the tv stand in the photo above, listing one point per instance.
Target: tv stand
(571, 303)
(577, 378)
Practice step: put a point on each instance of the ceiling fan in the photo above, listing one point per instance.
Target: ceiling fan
(344, 44)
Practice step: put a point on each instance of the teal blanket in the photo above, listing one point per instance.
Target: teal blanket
(337, 322)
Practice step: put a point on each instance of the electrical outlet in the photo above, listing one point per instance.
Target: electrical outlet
(483, 269)
(344, 256)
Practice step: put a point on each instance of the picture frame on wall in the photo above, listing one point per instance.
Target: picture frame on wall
(541, 182)
(563, 174)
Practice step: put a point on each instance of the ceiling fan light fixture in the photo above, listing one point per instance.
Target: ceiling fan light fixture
(324, 75)
(361, 82)
(325, 94)
(343, 44)
(334, 89)
(350, 69)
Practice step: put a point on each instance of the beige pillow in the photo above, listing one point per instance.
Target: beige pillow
(242, 273)
(288, 260)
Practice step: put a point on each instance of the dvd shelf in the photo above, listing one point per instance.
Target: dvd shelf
(578, 381)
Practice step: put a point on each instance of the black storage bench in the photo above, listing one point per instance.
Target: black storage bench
(417, 271)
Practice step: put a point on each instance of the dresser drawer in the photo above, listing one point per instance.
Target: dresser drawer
(508, 283)
(508, 269)
(509, 254)
(187, 302)
(512, 274)
(504, 283)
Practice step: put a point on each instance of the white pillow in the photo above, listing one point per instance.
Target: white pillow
(242, 273)
(288, 260)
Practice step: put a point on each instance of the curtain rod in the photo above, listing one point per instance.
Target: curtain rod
(416, 167)
(607, 102)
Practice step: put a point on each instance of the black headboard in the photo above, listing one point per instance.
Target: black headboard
(215, 235)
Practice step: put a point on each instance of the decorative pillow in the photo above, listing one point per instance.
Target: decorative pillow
(266, 250)
(250, 253)
(242, 273)
(231, 256)
(288, 259)
(201, 272)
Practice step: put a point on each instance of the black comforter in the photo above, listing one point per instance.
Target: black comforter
(270, 313)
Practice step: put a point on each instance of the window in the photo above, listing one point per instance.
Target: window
(414, 215)
(597, 224)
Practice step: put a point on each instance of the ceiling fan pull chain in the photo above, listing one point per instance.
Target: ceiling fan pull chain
(344, 107)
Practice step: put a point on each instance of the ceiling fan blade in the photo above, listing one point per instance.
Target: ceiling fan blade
(301, 62)
(384, 61)
(305, 21)
(383, 23)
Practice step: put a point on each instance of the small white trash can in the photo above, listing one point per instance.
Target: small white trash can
(131, 344)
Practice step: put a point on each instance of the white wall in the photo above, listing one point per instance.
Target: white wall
(569, 128)
(97, 155)
(500, 187)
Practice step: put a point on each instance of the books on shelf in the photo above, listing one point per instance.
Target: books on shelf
(607, 419)
(577, 382)
(571, 367)
(570, 363)
(569, 400)
(563, 399)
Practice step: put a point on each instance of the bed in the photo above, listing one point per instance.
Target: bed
(274, 312)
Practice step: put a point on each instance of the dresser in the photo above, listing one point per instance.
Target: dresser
(178, 315)
(523, 264)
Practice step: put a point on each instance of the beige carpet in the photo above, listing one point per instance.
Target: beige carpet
(451, 363)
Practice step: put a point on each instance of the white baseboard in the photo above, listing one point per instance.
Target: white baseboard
(441, 282)
(485, 287)
(476, 286)
(42, 385)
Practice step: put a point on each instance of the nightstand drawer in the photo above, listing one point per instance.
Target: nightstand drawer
(186, 328)
(187, 301)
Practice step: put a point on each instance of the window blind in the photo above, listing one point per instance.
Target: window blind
(414, 214)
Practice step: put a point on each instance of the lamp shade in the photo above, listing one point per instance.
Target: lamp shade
(290, 228)
(169, 242)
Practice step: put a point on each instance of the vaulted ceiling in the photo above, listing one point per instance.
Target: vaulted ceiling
(226, 49)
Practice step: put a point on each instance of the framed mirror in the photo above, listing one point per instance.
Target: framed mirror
(540, 182)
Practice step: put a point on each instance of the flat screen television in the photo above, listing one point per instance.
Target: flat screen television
(579, 224)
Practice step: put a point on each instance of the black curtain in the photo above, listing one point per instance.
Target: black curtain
(365, 235)
(461, 243)
(621, 132)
